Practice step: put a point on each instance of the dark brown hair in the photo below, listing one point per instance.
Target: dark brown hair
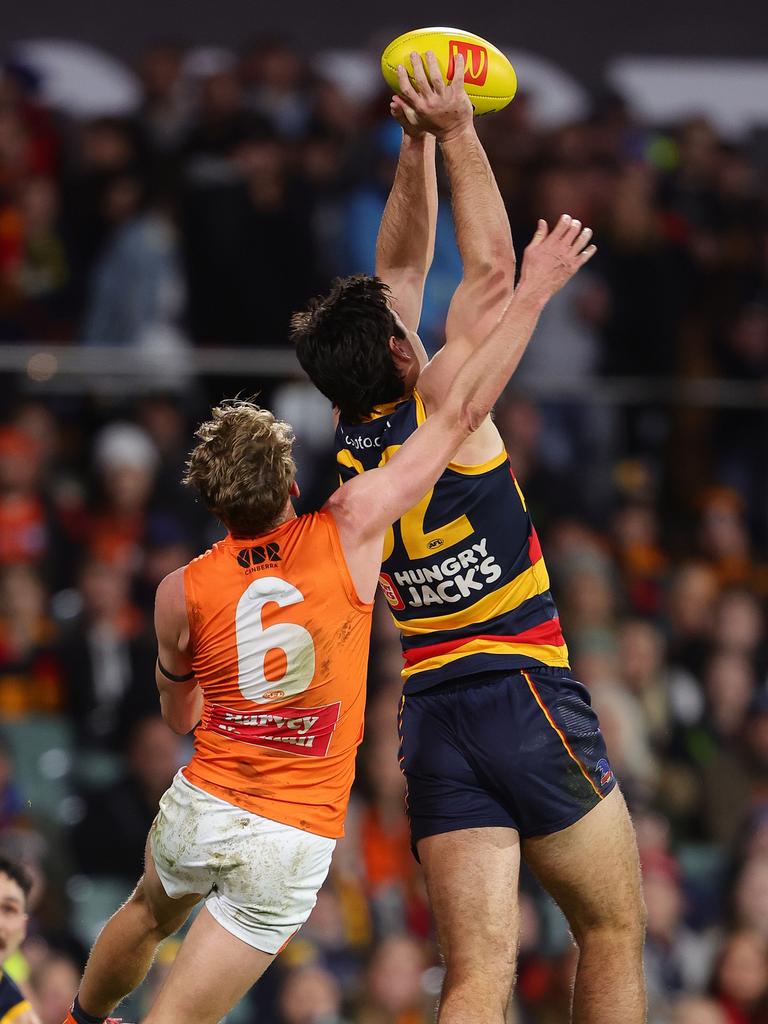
(342, 342)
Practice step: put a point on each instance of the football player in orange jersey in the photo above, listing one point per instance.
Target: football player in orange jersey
(500, 748)
(263, 645)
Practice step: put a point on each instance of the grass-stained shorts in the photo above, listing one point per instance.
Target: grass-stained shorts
(260, 878)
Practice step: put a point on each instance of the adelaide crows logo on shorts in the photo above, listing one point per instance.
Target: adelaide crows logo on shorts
(258, 557)
(606, 774)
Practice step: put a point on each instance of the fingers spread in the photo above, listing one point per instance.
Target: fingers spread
(560, 229)
(582, 238)
(573, 231)
(435, 74)
(459, 68)
(541, 233)
(397, 108)
(407, 92)
(419, 74)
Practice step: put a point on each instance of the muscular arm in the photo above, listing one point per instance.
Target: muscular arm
(365, 506)
(480, 220)
(406, 241)
(484, 239)
(181, 703)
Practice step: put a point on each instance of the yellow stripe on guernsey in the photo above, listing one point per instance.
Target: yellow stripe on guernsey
(482, 467)
(555, 657)
(530, 583)
(15, 1012)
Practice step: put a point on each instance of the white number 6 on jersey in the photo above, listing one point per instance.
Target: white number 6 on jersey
(253, 642)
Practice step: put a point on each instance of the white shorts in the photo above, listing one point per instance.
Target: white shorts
(260, 879)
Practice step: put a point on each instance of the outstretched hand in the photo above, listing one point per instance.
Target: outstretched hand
(431, 105)
(553, 257)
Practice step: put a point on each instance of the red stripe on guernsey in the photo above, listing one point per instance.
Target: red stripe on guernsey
(548, 632)
(534, 547)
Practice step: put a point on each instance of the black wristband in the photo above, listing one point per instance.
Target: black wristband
(172, 677)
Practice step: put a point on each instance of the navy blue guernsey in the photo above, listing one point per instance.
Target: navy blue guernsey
(12, 1003)
(462, 571)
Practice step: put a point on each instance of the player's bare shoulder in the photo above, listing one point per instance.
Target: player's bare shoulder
(169, 596)
(171, 614)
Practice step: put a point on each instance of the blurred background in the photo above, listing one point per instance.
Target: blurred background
(169, 194)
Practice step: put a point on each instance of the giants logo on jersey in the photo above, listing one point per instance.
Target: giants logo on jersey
(475, 61)
(259, 557)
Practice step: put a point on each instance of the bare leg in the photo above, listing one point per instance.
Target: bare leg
(212, 972)
(592, 871)
(123, 952)
(472, 878)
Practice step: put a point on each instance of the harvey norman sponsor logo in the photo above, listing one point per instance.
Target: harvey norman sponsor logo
(456, 578)
(305, 731)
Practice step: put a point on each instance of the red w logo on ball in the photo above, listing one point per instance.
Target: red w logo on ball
(475, 61)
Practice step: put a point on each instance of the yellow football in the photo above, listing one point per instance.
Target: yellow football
(489, 78)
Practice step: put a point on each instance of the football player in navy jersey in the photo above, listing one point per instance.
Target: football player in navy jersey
(15, 885)
(501, 750)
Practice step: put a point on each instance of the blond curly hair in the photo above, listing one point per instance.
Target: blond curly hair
(243, 466)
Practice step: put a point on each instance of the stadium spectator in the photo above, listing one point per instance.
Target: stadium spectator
(12, 808)
(234, 190)
(697, 1010)
(310, 995)
(111, 837)
(126, 461)
(394, 990)
(107, 658)
(25, 526)
(53, 984)
(741, 978)
(31, 678)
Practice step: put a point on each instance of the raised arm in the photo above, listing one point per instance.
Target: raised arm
(406, 242)
(480, 218)
(365, 506)
(181, 699)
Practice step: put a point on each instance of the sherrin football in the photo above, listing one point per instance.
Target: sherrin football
(489, 79)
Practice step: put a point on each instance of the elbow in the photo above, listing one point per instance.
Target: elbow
(181, 728)
(497, 276)
(181, 724)
(470, 415)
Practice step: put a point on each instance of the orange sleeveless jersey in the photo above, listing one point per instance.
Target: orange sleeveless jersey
(279, 645)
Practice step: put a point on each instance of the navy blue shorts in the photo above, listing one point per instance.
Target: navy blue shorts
(519, 749)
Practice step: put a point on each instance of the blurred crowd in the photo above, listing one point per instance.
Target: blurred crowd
(240, 186)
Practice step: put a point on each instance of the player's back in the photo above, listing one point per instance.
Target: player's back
(462, 571)
(279, 645)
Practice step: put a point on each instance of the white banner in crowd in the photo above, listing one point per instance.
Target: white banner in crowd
(79, 79)
(732, 94)
(87, 82)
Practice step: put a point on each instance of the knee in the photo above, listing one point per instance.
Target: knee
(475, 995)
(619, 927)
(491, 972)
